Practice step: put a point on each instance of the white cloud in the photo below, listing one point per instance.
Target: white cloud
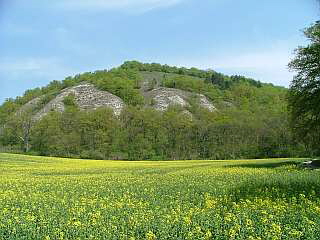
(258, 60)
(10, 28)
(19, 74)
(26, 64)
(267, 65)
(133, 6)
(51, 68)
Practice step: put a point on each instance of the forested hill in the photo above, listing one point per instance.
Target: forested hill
(150, 111)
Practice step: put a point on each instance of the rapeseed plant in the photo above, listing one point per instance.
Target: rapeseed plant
(52, 198)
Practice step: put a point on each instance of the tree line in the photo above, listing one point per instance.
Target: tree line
(253, 120)
(147, 134)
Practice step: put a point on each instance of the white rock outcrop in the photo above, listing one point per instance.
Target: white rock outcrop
(205, 103)
(162, 98)
(87, 97)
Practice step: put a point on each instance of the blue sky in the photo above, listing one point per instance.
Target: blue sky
(44, 40)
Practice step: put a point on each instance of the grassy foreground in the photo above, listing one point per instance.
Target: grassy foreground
(52, 198)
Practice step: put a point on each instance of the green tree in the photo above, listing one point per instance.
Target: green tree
(304, 95)
(46, 134)
(141, 136)
(18, 128)
(99, 133)
(6, 109)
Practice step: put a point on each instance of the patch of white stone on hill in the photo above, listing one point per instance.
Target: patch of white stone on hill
(162, 98)
(87, 97)
(29, 105)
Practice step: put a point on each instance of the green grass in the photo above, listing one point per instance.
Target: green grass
(52, 198)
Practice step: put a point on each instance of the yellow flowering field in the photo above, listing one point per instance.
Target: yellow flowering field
(52, 198)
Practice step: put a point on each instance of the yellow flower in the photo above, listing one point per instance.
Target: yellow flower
(77, 223)
(254, 238)
(248, 222)
(208, 235)
(229, 217)
(187, 220)
(295, 233)
(197, 229)
(150, 236)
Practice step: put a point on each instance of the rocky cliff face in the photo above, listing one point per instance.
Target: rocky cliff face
(86, 97)
(31, 105)
(162, 98)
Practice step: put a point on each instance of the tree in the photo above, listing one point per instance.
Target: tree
(18, 128)
(99, 133)
(304, 94)
(6, 109)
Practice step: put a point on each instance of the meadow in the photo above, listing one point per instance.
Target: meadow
(53, 198)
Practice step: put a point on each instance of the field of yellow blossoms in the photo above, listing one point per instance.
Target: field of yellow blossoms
(52, 198)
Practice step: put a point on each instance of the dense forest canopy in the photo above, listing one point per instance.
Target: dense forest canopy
(251, 120)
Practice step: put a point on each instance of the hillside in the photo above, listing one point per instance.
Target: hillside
(87, 97)
(150, 111)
